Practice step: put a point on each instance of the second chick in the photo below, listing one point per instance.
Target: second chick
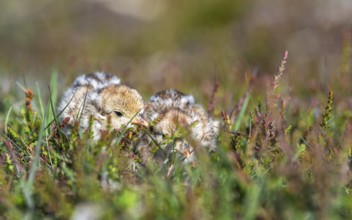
(170, 111)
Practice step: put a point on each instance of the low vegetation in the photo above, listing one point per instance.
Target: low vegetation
(279, 157)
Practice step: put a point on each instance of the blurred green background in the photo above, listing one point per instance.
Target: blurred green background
(184, 44)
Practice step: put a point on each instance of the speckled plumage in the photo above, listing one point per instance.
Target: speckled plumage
(99, 95)
(169, 110)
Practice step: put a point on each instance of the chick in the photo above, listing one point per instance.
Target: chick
(169, 112)
(103, 97)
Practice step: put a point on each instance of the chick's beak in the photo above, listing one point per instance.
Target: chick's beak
(138, 120)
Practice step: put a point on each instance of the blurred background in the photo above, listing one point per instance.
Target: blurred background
(183, 44)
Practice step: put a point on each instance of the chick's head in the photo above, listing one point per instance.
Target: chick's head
(120, 104)
(171, 121)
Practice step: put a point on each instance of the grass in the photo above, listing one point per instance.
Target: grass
(281, 158)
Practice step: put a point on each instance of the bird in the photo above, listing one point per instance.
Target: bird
(102, 97)
(170, 111)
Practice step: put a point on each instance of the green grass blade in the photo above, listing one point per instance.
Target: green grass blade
(53, 108)
(40, 102)
(7, 119)
(252, 201)
(54, 87)
(242, 113)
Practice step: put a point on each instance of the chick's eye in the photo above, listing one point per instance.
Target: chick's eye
(118, 113)
(151, 129)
